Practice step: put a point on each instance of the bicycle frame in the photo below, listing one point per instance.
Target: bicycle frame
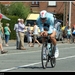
(48, 41)
(48, 53)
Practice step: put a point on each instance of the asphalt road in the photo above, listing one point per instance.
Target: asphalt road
(30, 60)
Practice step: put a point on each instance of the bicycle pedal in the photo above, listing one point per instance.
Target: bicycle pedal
(48, 60)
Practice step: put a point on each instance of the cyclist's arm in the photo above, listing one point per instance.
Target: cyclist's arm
(51, 25)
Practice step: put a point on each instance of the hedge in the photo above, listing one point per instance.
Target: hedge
(12, 21)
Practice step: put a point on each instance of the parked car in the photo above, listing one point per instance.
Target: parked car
(59, 36)
(58, 30)
(30, 20)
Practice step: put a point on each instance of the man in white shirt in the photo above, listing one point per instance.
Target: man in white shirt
(17, 35)
(21, 30)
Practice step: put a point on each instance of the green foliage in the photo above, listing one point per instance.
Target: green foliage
(12, 22)
(19, 9)
(14, 11)
(3, 9)
(59, 16)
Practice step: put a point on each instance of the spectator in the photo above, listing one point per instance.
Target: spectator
(69, 34)
(29, 36)
(17, 35)
(21, 30)
(2, 34)
(35, 34)
(73, 33)
(66, 30)
(7, 32)
(73, 30)
(1, 47)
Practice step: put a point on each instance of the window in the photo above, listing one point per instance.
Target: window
(35, 2)
(31, 22)
(51, 3)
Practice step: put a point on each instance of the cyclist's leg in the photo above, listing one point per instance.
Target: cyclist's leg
(55, 52)
(52, 37)
(52, 32)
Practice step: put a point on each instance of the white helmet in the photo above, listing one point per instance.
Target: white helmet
(43, 14)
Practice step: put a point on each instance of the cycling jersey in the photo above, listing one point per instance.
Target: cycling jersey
(48, 24)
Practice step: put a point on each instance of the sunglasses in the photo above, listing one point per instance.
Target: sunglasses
(43, 18)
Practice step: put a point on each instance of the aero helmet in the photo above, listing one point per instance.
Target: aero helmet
(43, 14)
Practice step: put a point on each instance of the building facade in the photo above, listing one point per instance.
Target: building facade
(51, 6)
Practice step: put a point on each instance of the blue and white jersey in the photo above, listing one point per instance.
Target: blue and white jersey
(49, 22)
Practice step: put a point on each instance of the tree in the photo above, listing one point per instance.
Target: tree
(19, 9)
(3, 9)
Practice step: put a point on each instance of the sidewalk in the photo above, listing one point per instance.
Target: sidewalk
(14, 42)
(12, 48)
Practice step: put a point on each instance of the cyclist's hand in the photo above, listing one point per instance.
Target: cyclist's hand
(41, 34)
(45, 34)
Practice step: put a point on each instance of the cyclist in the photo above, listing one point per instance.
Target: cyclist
(46, 24)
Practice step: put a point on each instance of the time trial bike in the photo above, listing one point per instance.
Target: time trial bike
(47, 50)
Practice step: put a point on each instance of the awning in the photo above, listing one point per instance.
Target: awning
(32, 16)
(4, 17)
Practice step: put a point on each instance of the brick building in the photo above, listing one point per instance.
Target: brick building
(51, 6)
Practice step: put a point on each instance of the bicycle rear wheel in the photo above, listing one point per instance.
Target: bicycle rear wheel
(44, 60)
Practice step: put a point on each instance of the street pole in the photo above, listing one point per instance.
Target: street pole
(70, 13)
(64, 15)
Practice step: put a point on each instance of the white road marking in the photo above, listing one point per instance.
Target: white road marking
(14, 68)
(66, 57)
(30, 52)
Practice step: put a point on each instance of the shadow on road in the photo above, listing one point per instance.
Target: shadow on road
(33, 67)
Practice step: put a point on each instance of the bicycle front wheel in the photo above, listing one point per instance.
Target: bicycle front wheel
(53, 59)
(44, 60)
(53, 62)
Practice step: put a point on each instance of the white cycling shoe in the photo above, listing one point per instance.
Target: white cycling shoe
(56, 53)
